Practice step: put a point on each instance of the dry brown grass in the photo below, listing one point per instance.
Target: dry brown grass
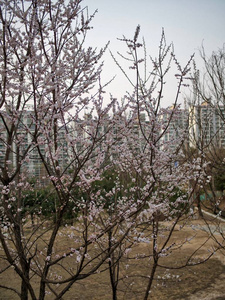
(168, 284)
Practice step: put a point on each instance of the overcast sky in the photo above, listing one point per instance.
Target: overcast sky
(187, 23)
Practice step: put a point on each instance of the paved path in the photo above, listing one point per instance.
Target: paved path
(216, 217)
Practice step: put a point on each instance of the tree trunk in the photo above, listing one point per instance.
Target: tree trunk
(200, 213)
(24, 287)
(151, 280)
(112, 270)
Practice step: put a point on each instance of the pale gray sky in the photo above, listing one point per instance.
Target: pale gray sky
(187, 23)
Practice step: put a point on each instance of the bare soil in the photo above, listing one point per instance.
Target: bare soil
(201, 282)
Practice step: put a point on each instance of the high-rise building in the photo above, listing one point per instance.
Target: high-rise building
(206, 125)
(174, 128)
(23, 149)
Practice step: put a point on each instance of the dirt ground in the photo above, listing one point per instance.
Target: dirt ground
(214, 290)
(202, 282)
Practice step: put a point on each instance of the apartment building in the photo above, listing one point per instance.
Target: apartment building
(23, 149)
(206, 125)
(174, 127)
(199, 123)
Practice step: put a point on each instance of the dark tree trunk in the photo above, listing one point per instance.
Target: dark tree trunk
(148, 289)
(198, 200)
(112, 270)
(24, 286)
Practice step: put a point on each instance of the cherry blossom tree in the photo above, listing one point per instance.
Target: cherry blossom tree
(47, 76)
(56, 134)
(156, 175)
